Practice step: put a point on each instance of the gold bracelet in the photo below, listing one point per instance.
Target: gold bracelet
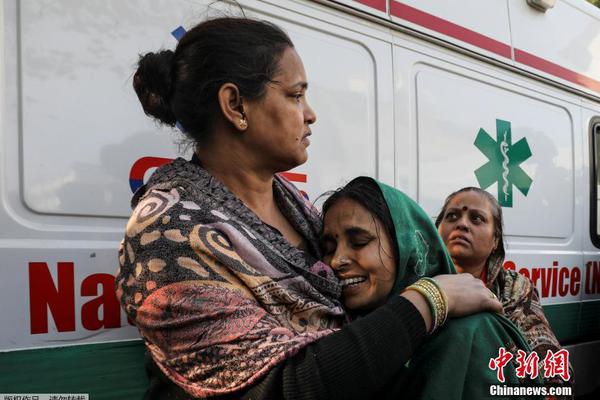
(441, 301)
(432, 308)
(444, 298)
(437, 300)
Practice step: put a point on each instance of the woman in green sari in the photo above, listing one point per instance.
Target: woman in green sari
(380, 243)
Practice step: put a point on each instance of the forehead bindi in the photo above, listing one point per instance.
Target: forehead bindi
(471, 201)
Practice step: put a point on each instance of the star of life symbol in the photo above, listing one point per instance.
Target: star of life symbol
(503, 165)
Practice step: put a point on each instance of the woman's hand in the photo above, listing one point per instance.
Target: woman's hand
(467, 295)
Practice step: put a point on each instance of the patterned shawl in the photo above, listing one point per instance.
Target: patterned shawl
(218, 296)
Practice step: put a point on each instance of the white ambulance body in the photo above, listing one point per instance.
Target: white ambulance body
(427, 95)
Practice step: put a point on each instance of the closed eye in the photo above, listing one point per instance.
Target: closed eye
(360, 244)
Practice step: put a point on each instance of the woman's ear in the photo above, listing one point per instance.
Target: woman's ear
(232, 106)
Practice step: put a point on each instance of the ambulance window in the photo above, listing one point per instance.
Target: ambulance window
(595, 203)
(473, 132)
(78, 161)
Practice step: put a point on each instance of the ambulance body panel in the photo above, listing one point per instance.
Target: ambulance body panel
(425, 95)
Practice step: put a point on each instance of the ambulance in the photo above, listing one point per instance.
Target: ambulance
(426, 95)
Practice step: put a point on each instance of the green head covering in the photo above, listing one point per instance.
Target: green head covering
(421, 251)
(453, 362)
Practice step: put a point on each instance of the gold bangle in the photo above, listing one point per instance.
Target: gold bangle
(436, 299)
(444, 298)
(430, 302)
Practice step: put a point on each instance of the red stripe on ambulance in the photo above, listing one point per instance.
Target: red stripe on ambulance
(376, 4)
(448, 28)
(554, 69)
(459, 32)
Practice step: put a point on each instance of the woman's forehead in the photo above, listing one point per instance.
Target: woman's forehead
(470, 200)
(291, 70)
(347, 213)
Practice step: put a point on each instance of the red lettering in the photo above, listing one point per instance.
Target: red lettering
(528, 365)
(563, 287)
(592, 277)
(587, 277)
(596, 278)
(535, 276)
(44, 296)
(546, 281)
(500, 362)
(557, 364)
(524, 272)
(107, 301)
(509, 265)
(554, 278)
(575, 281)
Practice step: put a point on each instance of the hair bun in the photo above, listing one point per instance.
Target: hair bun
(153, 84)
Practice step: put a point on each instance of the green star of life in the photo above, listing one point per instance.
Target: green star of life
(503, 165)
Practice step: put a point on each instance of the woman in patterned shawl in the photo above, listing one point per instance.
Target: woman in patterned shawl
(219, 268)
(470, 224)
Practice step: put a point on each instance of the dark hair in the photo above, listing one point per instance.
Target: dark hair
(182, 86)
(365, 191)
(499, 252)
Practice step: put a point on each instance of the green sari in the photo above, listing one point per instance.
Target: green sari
(454, 362)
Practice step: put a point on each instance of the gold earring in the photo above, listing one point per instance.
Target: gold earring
(243, 123)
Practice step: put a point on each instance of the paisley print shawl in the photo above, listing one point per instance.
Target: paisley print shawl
(219, 297)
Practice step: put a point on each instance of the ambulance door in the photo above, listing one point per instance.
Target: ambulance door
(460, 122)
(586, 350)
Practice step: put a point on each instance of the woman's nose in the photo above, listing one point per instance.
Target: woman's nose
(463, 225)
(309, 115)
(339, 261)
